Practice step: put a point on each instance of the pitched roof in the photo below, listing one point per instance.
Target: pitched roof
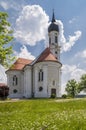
(20, 63)
(46, 55)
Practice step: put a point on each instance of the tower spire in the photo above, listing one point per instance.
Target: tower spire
(53, 17)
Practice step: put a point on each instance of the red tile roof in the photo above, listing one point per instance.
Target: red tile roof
(20, 63)
(46, 55)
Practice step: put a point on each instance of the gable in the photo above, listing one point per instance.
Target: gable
(46, 55)
(20, 64)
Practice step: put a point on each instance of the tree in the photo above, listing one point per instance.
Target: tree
(6, 37)
(82, 83)
(72, 88)
(4, 92)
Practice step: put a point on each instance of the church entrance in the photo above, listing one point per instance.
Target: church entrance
(53, 92)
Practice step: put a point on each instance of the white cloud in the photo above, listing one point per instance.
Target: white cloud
(31, 26)
(81, 54)
(62, 39)
(11, 5)
(66, 45)
(71, 41)
(24, 53)
(77, 73)
(72, 20)
(3, 78)
(71, 72)
(5, 5)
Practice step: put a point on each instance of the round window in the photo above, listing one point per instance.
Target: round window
(15, 91)
(40, 89)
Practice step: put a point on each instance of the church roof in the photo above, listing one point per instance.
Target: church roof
(46, 55)
(20, 63)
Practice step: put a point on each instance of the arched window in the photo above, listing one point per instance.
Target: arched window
(53, 82)
(50, 40)
(40, 75)
(55, 52)
(56, 39)
(15, 80)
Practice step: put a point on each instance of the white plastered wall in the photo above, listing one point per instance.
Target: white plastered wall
(18, 87)
(27, 82)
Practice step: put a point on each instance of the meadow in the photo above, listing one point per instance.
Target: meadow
(43, 114)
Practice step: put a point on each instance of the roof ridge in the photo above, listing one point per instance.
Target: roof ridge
(34, 61)
(21, 62)
(46, 55)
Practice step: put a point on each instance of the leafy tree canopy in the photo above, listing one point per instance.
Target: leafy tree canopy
(6, 37)
(72, 88)
(82, 83)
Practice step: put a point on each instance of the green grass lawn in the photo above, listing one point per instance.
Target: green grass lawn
(43, 114)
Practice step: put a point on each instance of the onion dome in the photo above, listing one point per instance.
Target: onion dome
(53, 26)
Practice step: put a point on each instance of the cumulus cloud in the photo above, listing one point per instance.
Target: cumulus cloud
(31, 25)
(67, 44)
(71, 72)
(62, 39)
(24, 53)
(3, 78)
(71, 41)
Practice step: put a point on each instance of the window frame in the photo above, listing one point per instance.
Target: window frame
(40, 89)
(56, 39)
(15, 80)
(40, 75)
(50, 40)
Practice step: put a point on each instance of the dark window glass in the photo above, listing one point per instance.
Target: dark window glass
(40, 88)
(55, 39)
(15, 91)
(55, 52)
(50, 40)
(40, 75)
(15, 80)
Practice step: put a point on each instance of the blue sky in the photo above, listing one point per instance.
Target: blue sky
(30, 20)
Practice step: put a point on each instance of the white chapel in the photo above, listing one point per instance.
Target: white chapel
(39, 78)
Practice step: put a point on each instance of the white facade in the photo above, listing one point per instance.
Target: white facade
(41, 78)
(29, 85)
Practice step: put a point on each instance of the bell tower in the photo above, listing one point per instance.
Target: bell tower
(53, 33)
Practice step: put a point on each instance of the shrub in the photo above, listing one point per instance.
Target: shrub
(64, 96)
(53, 95)
(4, 92)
